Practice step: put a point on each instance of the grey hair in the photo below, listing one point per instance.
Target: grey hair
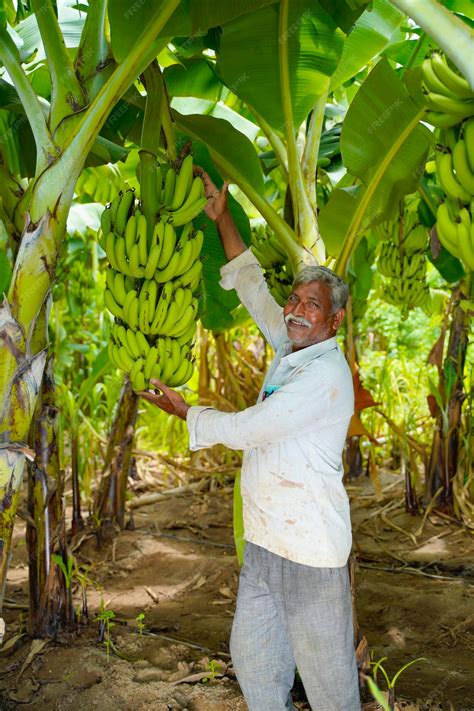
(338, 288)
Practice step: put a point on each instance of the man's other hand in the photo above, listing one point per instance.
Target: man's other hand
(166, 399)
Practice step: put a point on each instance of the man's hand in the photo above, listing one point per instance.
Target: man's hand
(217, 199)
(166, 399)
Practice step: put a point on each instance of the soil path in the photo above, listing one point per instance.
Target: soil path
(178, 568)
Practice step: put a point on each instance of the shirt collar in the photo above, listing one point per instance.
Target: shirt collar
(310, 352)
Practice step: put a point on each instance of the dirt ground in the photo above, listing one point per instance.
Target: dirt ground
(414, 593)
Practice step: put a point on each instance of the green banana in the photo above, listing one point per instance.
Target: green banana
(112, 305)
(130, 233)
(455, 83)
(123, 211)
(142, 240)
(169, 244)
(168, 191)
(447, 179)
(464, 175)
(132, 343)
(183, 183)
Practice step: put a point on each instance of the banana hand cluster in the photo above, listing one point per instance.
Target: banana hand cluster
(402, 260)
(447, 95)
(275, 263)
(455, 173)
(154, 273)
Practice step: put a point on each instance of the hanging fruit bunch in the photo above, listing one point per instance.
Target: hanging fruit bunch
(402, 260)
(455, 174)
(274, 261)
(447, 95)
(451, 103)
(153, 276)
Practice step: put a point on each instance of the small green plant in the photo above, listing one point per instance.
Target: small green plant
(67, 568)
(214, 666)
(387, 704)
(140, 622)
(104, 618)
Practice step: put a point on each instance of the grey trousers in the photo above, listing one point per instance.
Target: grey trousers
(291, 615)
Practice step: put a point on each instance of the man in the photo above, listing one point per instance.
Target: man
(294, 603)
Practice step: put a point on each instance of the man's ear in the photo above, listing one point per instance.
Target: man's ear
(338, 318)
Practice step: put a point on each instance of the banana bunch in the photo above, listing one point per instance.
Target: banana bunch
(394, 265)
(275, 263)
(455, 173)
(402, 260)
(448, 96)
(153, 274)
(99, 184)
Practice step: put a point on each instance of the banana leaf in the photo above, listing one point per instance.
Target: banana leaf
(191, 19)
(226, 144)
(343, 12)
(71, 22)
(384, 148)
(370, 35)
(194, 77)
(249, 51)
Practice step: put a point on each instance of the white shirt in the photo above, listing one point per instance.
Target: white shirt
(295, 504)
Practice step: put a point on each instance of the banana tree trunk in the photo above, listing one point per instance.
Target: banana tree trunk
(109, 507)
(51, 609)
(23, 343)
(445, 447)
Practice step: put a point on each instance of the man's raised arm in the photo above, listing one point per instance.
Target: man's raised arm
(245, 274)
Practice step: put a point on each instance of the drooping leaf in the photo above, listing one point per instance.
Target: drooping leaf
(127, 21)
(224, 143)
(209, 13)
(371, 33)
(71, 23)
(401, 52)
(383, 146)
(344, 13)
(248, 58)
(193, 77)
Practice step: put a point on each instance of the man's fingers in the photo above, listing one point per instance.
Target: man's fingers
(150, 397)
(160, 386)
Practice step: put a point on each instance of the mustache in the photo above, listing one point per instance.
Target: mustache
(298, 320)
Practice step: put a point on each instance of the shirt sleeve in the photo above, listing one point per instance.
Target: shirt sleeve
(288, 412)
(245, 275)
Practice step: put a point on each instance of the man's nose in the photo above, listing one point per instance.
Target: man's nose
(299, 309)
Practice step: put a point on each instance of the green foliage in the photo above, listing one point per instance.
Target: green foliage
(383, 146)
(249, 51)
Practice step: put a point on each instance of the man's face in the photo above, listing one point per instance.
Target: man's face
(308, 315)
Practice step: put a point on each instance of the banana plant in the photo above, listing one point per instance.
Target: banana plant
(63, 136)
(64, 118)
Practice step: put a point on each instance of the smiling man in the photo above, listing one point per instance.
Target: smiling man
(294, 604)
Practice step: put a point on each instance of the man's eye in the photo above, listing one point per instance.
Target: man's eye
(292, 297)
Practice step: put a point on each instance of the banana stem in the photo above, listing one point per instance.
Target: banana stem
(414, 53)
(306, 226)
(45, 147)
(67, 96)
(449, 32)
(275, 142)
(294, 169)
(311, 149)
(150, 142)
(94, 60)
